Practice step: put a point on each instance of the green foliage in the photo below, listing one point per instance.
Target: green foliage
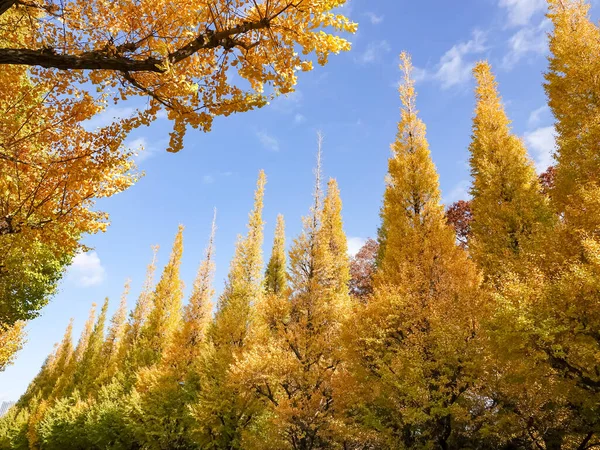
(29, 274)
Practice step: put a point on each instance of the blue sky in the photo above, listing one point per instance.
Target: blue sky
(353, 100)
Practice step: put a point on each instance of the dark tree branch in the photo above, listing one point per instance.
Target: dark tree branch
(114, 59)
(5, 5)
(96, 60)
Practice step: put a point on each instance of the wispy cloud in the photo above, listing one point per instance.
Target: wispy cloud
(268, 141)
(536, 116)
(211, 178)
(143, 150)
(541, 144)
(86, 269)
(299, 118)
(520, 12)
(355, 244)
(288, 103)
(529, 40)
(374, 52)
(455, 66)
(460, 191)
(108, 116)
(374, 18)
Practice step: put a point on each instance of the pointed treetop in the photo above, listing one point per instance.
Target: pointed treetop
(411, 208)
(572, 90)
(333, 239)
(143, 305)
(90, 365)
(489, 103)
(244, 282)
(275, 275)
(186, 348)
(166, 313)
(318, 174)
(507, 207)
(406, 89)
(198, 310)
(115, 336)
(85, 334)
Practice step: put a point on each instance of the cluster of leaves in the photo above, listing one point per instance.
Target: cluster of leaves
(432, 344)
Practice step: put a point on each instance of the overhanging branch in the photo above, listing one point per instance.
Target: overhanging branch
(113, 58)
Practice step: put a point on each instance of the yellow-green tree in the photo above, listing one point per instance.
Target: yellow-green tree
(56, 363)
(129, 353)
(12, 338)
(224, 408)
(413, 347)
(168, 388)
(572, 91)
(296, 363)
(89, 368)
(509, 211)
(65, 383)
(165, 315)
(275, 274)
(564, 323)
(509, 233)
(115, 340)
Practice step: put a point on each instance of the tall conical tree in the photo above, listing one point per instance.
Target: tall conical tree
(115, 339)
(413, 346)
(197, 314)
(295, 366)
(225, 408)
(333, 239)
(562, 324)
(88, 370)
(244, 284)
(411, 206)
(170, 387)
(165, 316)
(65, 382)
(508, 240)
(56, 363)
(275, 275)
(509, 211)
(572, 89)
(130, 352)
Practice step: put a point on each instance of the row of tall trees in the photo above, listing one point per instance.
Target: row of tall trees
(63, 62)
(423, 341)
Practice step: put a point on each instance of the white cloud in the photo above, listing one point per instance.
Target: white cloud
(211, 178)
(541, 144)
(288, 103)
(373, 53)
(86, 269)
(142, 149)
(459, 192)
(374, 18)
(355, 244)
(268, 141)
(529, 40)
(108, 116)
(535, 118)
(455, 66)
(299, 118)
(520, 12)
